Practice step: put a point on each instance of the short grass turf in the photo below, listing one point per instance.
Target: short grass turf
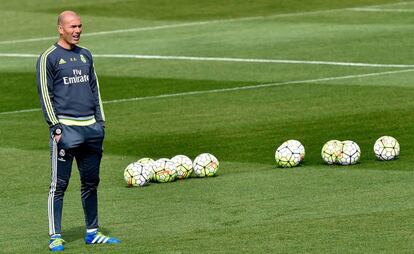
(251, 206)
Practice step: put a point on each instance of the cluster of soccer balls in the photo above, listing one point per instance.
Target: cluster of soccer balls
(341, 152)
(165, 170)
(347, 152)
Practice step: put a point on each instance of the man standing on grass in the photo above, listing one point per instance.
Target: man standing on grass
(69, 95)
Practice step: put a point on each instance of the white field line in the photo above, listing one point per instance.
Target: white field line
(382, 10)
(254, 60)
(239, 88)
(380, 7)
(19, 55)
(390, 4)
(229, 59)
(189, 24)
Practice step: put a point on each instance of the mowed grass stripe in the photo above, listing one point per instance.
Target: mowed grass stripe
(250, 124)
(180, 25)
(233, 89)
(198, 23)
(262, 86)
(141, 29)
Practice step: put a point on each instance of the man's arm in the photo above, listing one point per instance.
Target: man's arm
(44, 79)
(94, 83)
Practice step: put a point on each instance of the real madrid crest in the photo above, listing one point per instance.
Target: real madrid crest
(82, 58)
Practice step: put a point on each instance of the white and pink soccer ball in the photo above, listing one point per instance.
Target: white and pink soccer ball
(289, 154)
(183, 166)
(205, 164)
(137, 174)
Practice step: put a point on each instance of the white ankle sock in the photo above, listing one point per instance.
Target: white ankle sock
(92, 230)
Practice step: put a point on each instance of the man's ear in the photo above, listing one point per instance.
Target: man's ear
(60, 29)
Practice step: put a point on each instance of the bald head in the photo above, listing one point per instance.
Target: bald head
(67, 15)
(69, 28)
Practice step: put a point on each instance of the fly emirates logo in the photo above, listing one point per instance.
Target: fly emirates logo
(77, 78)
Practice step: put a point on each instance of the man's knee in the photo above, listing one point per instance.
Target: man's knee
(61, 186)
(90, 184)
(89, 187)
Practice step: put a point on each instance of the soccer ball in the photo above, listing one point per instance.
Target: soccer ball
(296, 145)
(205, 164)
(331, 151)
(288, 155)
(164, 170)
(386, 148)
(183, 165)
(150, 163)
(136, 174)
(350, 153)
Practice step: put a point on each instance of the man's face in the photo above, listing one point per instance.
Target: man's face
(70, 29)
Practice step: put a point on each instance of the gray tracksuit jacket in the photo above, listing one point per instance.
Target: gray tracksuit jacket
(68, 86)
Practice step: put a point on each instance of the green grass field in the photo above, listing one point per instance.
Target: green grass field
(239, 110)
